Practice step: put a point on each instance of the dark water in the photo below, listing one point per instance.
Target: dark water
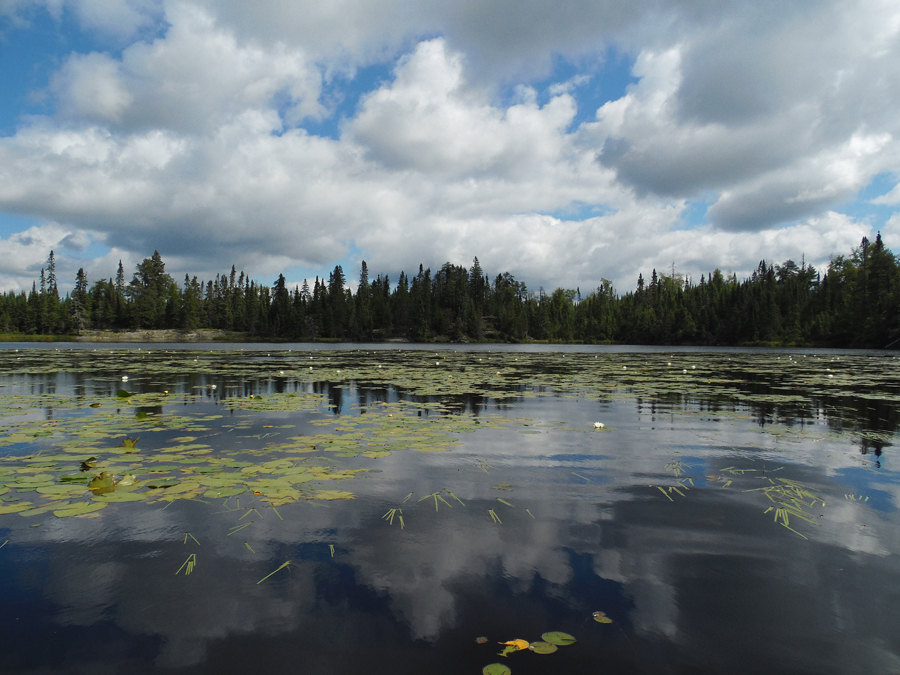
(659, 520)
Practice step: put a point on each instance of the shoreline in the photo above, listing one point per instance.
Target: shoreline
(221, 336)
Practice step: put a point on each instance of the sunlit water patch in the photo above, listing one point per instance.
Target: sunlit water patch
(448, 511)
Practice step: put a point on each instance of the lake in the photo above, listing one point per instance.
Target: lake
(344, 509)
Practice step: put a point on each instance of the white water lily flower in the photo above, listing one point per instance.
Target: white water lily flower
(124, 378)
(599, 425)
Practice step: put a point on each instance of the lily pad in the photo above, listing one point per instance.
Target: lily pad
(43, 509)
(333, 494)
(102, 483)
(496, 669)
(62, 490)
(543, 647)
(74, 478)
(215, 493)
(15, 508)
(79, 509)
(162, 482)
(121, 497)
(600, 617)
(558, 638)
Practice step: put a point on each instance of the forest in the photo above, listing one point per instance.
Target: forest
(854, 303)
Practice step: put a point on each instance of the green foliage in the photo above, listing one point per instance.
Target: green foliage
(854, 304)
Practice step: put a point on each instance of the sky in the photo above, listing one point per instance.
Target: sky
(565, 142)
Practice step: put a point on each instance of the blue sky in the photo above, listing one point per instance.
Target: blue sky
(562, 146)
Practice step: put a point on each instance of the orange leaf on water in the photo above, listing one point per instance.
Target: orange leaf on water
(518, 644)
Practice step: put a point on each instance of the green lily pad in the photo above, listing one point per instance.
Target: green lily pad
(121, 497)
(558, 638)
(79, 509)
(15, 508)
(542, 647)
(102, 483)
(600, 617)
(215, 493)
(496, 669)
(43, 509)
(333, 494)
(162, 482)
(74, 478)
(36, 478)
(62, 490)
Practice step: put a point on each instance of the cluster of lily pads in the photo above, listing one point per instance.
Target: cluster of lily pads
(80, 471)
(550, 642)
(791, 384)
(64, 413)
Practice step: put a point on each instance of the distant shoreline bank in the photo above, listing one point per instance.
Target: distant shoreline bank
(221, 336)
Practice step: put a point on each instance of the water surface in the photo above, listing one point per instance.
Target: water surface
(736, 512)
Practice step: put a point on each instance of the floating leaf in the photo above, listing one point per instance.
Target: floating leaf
(163, 482)
(224, 492)
(600, 617)
(333, 494)
(496, 669)
(121, 497)
(558, 638)
(102, 484)
(62, 490)
(43, 509)
(518, 644)
(543, 647)
(79, 509)
(15, 508)
(124, 394)
(481, 640)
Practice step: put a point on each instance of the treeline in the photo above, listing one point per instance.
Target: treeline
(855, 303)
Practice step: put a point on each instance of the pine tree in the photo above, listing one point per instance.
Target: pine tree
(363, 313)
(80, 308)
(153, 294)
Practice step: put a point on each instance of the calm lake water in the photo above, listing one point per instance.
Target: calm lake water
(378, 508)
